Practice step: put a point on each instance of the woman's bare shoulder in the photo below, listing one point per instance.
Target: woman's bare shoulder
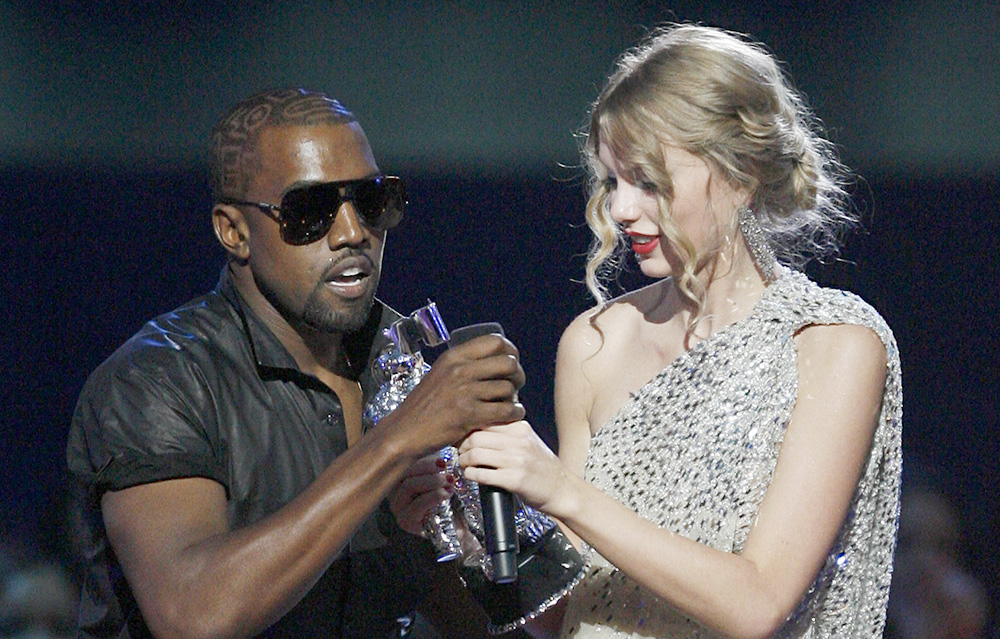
(604, 329)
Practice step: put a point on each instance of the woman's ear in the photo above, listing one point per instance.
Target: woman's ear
(232, 231)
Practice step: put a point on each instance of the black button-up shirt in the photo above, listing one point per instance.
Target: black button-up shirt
(208, 391)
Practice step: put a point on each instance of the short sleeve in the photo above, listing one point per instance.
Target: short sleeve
(143, 417)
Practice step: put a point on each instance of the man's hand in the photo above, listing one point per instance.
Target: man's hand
(469, 387)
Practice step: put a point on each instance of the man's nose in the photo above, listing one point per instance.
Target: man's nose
(347, 229)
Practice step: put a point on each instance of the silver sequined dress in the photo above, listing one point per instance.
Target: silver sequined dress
(694, 451)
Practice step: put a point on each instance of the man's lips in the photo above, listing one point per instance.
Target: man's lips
(349, 269)
(643, 244)
(349, 276)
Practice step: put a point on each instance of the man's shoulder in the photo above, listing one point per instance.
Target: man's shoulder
(149, 411)
(204, 330)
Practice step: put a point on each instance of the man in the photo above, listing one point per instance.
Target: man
(231, 487)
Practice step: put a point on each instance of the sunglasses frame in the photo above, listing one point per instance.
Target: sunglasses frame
(346, 191)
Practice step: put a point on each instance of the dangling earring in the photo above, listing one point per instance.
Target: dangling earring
(756, 241)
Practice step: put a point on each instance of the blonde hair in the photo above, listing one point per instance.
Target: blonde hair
(726, 100)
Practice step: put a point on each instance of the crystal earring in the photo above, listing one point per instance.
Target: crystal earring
(761, 251)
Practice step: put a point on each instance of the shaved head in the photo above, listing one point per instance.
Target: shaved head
(234, 161)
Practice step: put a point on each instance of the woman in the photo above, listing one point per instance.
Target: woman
(729, 435)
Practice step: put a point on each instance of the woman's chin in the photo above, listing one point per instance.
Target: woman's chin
(656, 269)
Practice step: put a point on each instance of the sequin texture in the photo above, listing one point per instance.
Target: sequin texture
(694, 451)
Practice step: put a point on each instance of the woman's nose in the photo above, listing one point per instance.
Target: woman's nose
(625, 203)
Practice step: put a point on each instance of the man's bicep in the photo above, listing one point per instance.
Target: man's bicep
(152, 527)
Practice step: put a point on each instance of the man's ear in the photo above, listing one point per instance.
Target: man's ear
(232, 231)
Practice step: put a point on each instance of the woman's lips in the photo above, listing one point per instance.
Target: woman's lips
(644, 244)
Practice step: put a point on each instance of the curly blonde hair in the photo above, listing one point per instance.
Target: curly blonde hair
(726, 100)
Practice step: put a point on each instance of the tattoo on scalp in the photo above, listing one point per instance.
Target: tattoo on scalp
(234, 160)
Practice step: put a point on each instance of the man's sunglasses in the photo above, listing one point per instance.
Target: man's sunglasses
(307, 212)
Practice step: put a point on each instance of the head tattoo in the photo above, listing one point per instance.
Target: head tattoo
(234, 161)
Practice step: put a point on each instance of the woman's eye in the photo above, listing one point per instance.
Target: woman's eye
(610, 183)
(648, 187)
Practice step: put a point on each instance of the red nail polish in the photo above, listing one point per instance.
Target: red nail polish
(441, 463)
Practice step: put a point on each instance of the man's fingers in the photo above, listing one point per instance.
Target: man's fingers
(486, 357)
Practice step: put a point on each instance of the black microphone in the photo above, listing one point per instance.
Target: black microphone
(498, 505)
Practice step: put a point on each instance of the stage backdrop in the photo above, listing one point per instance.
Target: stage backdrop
(105, 108)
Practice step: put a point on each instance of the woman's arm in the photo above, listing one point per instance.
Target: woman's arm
(574, 393)
(841, 379)
(574, 397)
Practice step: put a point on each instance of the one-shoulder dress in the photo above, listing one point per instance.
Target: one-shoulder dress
(694, 451)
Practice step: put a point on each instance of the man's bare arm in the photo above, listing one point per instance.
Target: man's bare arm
(193, 577)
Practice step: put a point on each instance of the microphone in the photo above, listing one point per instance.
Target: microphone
(498, 505)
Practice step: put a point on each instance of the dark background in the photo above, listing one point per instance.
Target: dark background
(105, 109)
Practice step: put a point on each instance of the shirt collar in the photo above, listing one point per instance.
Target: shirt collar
(273, 359)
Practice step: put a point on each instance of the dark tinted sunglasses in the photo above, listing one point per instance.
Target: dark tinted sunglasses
(307, 212)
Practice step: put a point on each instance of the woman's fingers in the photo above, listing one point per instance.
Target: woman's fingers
(513, 457)
(424, 485)
(499, 437)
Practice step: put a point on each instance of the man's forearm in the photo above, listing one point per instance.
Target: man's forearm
(193, 577)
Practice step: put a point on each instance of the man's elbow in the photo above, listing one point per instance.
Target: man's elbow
(170, 621)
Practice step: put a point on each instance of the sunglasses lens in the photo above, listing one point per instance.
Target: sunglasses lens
(380, 202)
(307, 213)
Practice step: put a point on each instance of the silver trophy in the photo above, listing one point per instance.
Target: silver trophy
(548, 566)
(399, 368)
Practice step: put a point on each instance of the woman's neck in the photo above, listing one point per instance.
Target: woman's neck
(732, 285)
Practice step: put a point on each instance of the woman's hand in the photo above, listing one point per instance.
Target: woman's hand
(425, 485)
(512, 456)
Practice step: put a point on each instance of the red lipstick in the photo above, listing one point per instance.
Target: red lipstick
(644, 244)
